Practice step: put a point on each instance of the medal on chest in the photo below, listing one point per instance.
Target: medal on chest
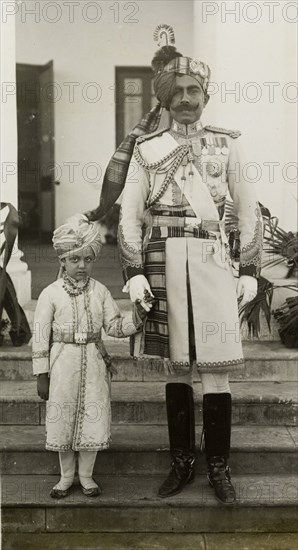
(224, 146)
(196, 147)
(211, 145)
(214, 169)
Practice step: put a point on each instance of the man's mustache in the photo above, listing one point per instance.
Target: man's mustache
(182, 107)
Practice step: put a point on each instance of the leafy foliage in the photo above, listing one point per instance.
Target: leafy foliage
(282, 248)
(287, 317)
(250, 312)
(281, 245)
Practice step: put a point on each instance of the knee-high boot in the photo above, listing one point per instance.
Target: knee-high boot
(217, 409)
(181, 426)
(86, 465)
(67, 467)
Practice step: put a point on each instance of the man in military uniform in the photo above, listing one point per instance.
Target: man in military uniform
(173, 246)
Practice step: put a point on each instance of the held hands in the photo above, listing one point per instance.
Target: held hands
(43, 384)
(142, 313)
(140, 291)
(247, 288)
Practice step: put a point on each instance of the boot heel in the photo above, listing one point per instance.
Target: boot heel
(220, 480)
(181, 425)
(181, 474)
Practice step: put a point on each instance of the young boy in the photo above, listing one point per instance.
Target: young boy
(72, 367)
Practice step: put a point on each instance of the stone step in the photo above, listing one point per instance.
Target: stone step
(263, 361)
(265, 403)
(130, 504)
(254, 450)
(150, 541)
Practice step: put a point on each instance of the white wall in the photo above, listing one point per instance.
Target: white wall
(85, 52)
(255, 45)
(17, 269)
(9, 144)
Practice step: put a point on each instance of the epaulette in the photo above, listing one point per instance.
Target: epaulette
(232, 133)
(152, 135)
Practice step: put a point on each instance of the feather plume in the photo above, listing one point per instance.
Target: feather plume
(162, 57)
(164, 35)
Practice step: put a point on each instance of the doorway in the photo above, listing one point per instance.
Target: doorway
(36, 153)
(134, 98)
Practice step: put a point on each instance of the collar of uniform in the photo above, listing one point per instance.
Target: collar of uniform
(186, 130)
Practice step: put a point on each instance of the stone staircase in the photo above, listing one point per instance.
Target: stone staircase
(129, 515)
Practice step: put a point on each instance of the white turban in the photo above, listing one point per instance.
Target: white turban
(76, 234)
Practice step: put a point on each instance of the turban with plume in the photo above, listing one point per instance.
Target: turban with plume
(166, 64)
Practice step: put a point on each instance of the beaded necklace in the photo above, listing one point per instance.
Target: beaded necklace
(73, 287)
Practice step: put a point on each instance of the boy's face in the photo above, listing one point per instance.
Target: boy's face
(78, 265)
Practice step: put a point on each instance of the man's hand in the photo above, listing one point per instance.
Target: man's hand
(138, 285)
(43, 384)
(247, 289)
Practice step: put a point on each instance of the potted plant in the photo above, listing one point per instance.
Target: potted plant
(281, 247)
(287, 318)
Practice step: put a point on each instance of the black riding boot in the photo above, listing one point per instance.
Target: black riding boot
(181, 425)
(217, 409)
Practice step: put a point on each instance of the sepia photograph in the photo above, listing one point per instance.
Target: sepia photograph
(148, 275)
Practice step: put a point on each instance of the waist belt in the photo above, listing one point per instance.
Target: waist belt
(173, 226)
(186, 223)
(76, 337)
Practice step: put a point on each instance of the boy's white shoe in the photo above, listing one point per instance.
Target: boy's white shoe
(89, 487)
(67, 466)
(86, 464)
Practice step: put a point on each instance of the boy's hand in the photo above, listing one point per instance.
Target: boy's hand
(43, 384)
(150, 302)
(140, 310)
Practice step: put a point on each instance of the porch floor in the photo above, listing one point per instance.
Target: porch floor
(43, 264)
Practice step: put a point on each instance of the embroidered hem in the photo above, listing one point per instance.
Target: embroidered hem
(221, 366)
(81, 400)
(130, 256)
(167, 367)
(84, 447)
(40, 354)
(161, 365)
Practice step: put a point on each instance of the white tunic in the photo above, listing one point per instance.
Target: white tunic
(78, 412)
(165, 185)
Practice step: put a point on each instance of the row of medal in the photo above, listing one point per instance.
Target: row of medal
(210, 145)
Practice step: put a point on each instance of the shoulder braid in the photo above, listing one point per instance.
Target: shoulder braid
(232, 133)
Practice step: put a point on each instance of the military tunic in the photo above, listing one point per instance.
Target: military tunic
(172, 231)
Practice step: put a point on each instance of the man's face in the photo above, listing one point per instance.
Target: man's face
(79, 265)
(188, 101)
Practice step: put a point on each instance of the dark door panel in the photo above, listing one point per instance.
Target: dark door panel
(36, 158)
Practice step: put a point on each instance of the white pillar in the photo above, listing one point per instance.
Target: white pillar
(17, 269)
(251, 50)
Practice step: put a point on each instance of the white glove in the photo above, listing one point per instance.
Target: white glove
(137, 286)
(247, 288)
